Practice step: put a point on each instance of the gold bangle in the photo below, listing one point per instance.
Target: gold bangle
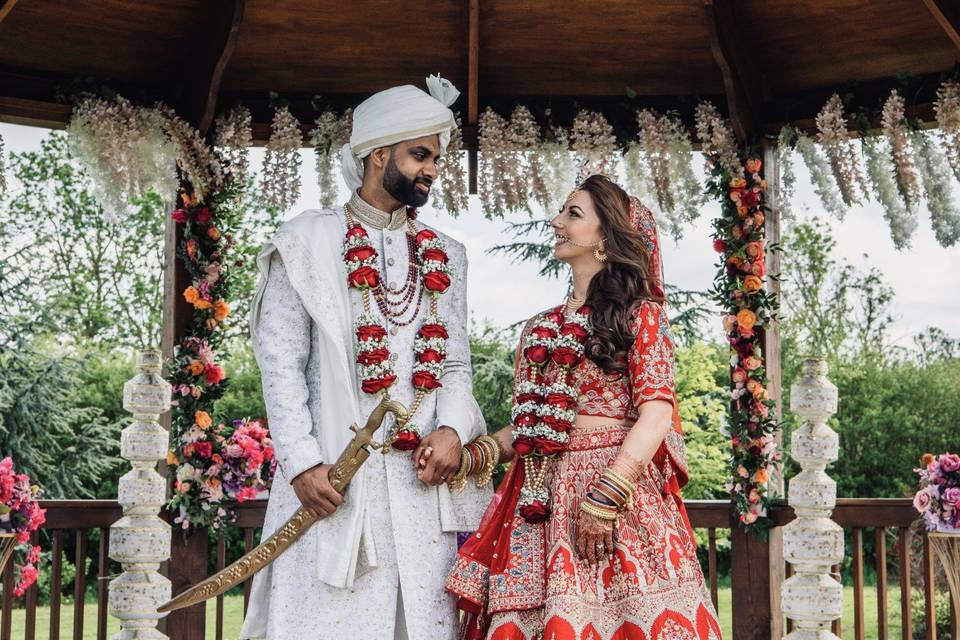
(609, 515)
(459, 481)
(619, 480)
(491, 450)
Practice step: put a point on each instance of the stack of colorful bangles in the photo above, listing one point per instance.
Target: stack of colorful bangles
(609, 496)
(479, 457)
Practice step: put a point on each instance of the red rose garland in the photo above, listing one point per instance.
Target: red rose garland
(373, 353)
(544, 407)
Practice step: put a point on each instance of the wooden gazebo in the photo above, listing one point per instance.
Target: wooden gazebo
(767, 62)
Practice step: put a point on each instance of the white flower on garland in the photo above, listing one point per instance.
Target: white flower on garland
(880, 171)
(280, 182)
(788, 178)
(196, 160)
(594, 143)
(329, 134)
(947, 110)
(124, 150)
(717, 140)
(450, 189)
(233, 137)
(833, 136)
(944, 216)
(821, 176)
(895, 128)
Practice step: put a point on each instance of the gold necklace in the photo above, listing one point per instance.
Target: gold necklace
(573, 303)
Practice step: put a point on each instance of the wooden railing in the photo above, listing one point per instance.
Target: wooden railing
(70, 523)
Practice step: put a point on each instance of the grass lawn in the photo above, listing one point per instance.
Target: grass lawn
(233, 616)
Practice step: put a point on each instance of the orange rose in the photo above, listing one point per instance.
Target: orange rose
(761, 477)
(754, 249)
(203, 419)
(926, 459)
(753, 165)
(746, 319)
(213, 233)
(172, 458)
(191, 295)
(195, 367)
(220, 309)
(758, 392)
(738, 183)
(758, 219)
(752, 284)
(742, 211)
(202, 304)
(742, 472)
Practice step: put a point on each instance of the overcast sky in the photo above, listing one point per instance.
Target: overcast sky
(926, 278)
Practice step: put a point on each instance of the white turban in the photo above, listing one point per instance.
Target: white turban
(395, 115)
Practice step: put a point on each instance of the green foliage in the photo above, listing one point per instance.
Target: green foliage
(244, 396)
(492, 354)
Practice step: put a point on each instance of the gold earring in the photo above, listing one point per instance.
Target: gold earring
(599, 254)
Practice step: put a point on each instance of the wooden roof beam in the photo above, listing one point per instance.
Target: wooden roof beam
(5, 8)
(741, 79)
(206, 66)
(947, 15)
(470, 131)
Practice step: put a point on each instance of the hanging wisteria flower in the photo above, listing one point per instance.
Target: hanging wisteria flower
(944, 215)
(901, 221)
(833, 136)
(559, 172)
(821, 176)
(894, 123)
(788, 178)
(124, 150)
(494, 163)
(233, 138)
(280, 183)
(196, 160)
(653, 145)
(3, 169)
(717, 140)
(523, 137)
(450, 189)
(329, 134)
(510, 165)
(947, 111)
(593, 141)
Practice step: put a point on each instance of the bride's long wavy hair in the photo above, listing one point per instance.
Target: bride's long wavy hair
(625, 280)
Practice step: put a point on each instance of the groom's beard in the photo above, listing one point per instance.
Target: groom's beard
(403, 188)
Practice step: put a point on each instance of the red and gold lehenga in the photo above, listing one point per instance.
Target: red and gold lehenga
(521, 581)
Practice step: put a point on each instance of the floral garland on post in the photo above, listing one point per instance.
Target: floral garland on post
(747, 308)
(20, 516)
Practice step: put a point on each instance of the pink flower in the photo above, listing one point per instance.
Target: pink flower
(952, 495)
(921, 501)
(949, 462)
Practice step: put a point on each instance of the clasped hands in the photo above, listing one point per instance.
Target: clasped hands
(436, 458)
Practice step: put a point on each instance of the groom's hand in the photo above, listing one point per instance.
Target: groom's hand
(315, 492)
(437, 457)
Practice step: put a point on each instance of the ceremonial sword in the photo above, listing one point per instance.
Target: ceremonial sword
(343, 470)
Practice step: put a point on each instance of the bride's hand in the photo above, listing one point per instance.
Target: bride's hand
(594, 538)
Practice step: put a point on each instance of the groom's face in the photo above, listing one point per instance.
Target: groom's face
(411, 169)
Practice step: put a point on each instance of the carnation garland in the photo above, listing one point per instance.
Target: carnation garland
(330, 133)
(20, 516)
(544, 406)
(833, 135)
(280, 182)
(739, 290)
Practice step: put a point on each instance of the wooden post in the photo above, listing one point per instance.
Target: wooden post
(750, 584)
(473, 95)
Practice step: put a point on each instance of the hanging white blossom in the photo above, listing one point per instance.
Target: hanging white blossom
(833, 136)
(717, 140)
(559, 170)
(196, 159)
(653, 145)
(494, 163)
(511, 168)
(788, 177)
(895, 128)
(329, 134)
(3, 170)
(901, 221)
(450, 189)
(233, 137)
(821, 176)
(124, 151)
(639, 179)
(280, 182)
(947, 110)
(944, 215)
(523, 135)
(687, 191)
(594, 143)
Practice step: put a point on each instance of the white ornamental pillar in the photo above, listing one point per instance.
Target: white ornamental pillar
(813, 542)
(140, 540)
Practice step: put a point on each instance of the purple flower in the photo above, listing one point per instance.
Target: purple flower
(949, 462)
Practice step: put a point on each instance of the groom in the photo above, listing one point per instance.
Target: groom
(352, 303)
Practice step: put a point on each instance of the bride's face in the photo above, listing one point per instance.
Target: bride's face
(576, 229)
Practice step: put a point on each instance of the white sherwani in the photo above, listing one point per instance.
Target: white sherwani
(375, 569)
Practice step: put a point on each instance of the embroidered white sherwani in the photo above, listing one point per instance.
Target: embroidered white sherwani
(375, 569)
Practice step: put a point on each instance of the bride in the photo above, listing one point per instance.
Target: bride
(587, 536)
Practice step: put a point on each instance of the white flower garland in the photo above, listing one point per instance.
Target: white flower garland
(233, 138)
(833, 135)
(895, 128)
(330, 132)
(944, 215)
(494, 163)
(280, 182)
(880, 171)
(947, 110)
(594, 143)
(821, 176)
(653, 145)
(450, 190)
(196, 160)
(788, 178)
(559, 171)
(717, 140)
(124, 150)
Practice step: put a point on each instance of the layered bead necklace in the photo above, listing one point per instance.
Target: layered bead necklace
(544, 407)
(428, 273)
